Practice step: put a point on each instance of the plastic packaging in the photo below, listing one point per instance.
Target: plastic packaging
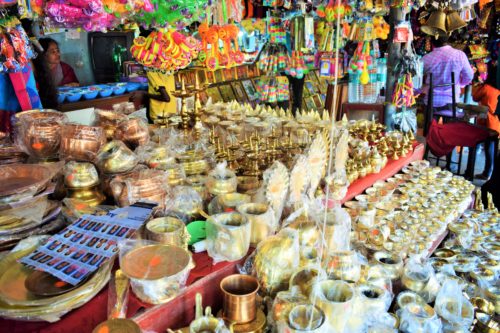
(283, 304)
(184, 202)
(157, 272)
(80, 142)
(144, 185)
(228, 236)
(456, 312)
(133, 132)
(227, 202)
(261, 218)
(419, 277)
(38, 133)
(115, 157)
(416, 318)
(221, 180)
(156, 156)
(277, 257)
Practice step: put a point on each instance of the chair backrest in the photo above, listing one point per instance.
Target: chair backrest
(430, 99)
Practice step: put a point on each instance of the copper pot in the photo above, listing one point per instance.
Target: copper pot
(140, 185)
(80, 142)
(39, 132)
(133, 132)
(109, 120)
(115, 157)
(239, 298)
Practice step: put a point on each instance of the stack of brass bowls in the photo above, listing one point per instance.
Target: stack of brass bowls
(80, 142)
(39, 132)
(149, 185)
(11, 154)
(82, 183)
(168, 230)
(28, 294)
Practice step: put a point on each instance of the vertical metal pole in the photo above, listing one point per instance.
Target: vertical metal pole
(396, 16)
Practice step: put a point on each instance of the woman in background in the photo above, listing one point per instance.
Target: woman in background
(62, 73)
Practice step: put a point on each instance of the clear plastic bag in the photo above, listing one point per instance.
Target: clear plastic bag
(419, 277)
(227, 202)
(144, 185)
(184, 202)
(277, 257)
(228, 236)
(261, 218)
(157, 272)
(417, 318)
(116, 157)
(80, 142)
(456, 312)
(221, 180)
(38, 133)
(133, 132)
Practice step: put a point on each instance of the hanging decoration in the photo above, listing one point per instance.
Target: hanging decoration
(177, 13)
(273, 89)
(212, 55)
(89, 15)
(15, 47)
(165, 50)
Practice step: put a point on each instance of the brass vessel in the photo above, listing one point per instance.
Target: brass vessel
(239, 300)
(80, 142)
(228, 236)
(168, 230)
(115, 157)
(133, 132)
(262, 221)
(80, 175)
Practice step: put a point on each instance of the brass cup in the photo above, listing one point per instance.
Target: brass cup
(415, 281)
(306, 318)
(261, 219)
(336, 299)
(408, 297)
(239, 303)
(391, 262)
(228, 236)
(167, 230)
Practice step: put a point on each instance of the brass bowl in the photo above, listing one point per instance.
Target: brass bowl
(133, 132)
(391, 262)
(373, 299)
(248, 183)
(304, 279)
(482, 274)
(39, 132)
(343, 265)
(228, 236)
(415, 281)
(493, 294)
(306, 318)
(227, 202)
(80, 175)
(169, 231)
(408, 297)
(115, 157)
(80, 142)
(446, 254)
(217, 185)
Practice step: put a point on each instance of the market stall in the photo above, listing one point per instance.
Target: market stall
(247, 195)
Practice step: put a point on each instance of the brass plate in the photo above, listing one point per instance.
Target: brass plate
(117, 325)
(154, 262)
(44, 284)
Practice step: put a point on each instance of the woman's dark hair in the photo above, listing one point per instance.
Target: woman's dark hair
(46, 86)
(492, 75)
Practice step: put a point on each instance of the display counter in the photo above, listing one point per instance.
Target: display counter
(137, 97)
(205, 279)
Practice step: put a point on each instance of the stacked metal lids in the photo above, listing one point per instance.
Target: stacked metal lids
(24, 205)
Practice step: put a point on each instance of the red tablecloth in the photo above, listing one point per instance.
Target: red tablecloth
(204, 278)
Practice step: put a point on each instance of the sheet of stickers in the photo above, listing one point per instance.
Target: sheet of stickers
(81, 248)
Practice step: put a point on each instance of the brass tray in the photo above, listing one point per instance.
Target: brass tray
(20, 178)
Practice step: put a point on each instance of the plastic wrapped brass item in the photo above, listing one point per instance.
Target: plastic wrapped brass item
(133, 132)
(308, 231)
(118, 325)
(493, 294)
(240, 293)
(197, 182)
(221, 181)
(284, 302)
(157, 272)
(306, 319)
(408, 297)
(80, 175)
(420, 318)
(483, 305)
(92, 196)
(304, 279)
(227, 202)
(115, 157)
(205, 323)
(140, 185)
(248, 183)
(391, 262)
(336, 299)
(39, 132)
(228, 236)
(343, 265)
(80, 142)
(415, 281)
(261, 218)
(445, 254)
(168, 230)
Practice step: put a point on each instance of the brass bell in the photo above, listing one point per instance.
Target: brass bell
(454, 21)
(436, 24)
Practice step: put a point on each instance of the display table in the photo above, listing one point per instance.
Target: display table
(137, 97)
(204, 278)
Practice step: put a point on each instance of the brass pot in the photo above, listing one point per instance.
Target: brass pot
(221, 184)
(446, 254)
(80, 175)
(133, 132)
(175, 174)
(284, 302)
(239, 302)
(308, 231)
(262, 221)
(197, 182)
(159, 158)
(80, 142)
(415, 281)
(247, 183)
(115, 157)
(92, 196)
(39, 132)
(408, 297)
(169, 231)
(336, 299)
(391, 262)
(343, 265)
(228, 236)
(140, 185)
(304, 279)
